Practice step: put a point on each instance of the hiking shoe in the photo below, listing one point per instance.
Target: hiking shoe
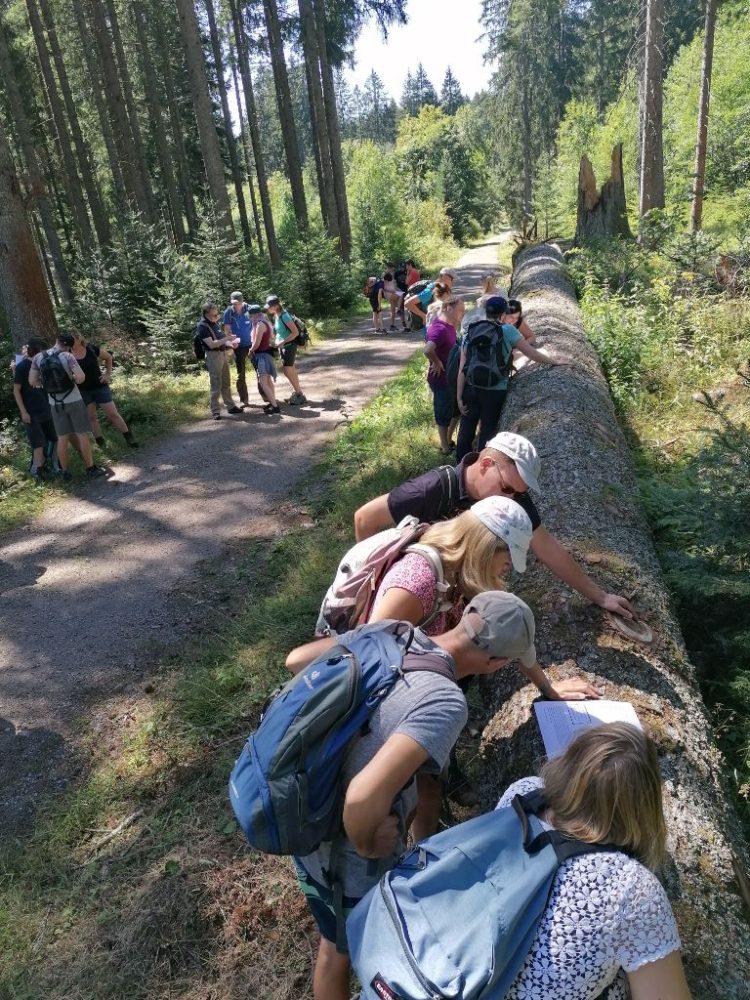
(234, 409)
(95, 472)
(297, 399)
(67, 477)
(392, 328)
(216, 416)
(100, 441)
(271, 409)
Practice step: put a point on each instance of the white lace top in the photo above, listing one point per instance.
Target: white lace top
(607, 913)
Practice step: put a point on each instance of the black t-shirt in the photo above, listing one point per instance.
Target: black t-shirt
(211, 331)
(35, 400)
(422, 497)
(90, 367)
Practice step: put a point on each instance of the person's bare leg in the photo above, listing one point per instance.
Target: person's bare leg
(84, 446)
(429, 799)
(268, 387)
(393, 300)
(37, 459)
(290, 373)
(444, 438)
(112, 414)
(96, 429)
(331, 975)
(452, 429)
(62, 451)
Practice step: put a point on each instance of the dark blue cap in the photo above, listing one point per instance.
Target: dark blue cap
(496, 304)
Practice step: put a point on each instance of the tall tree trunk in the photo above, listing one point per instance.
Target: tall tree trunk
(334, 132)
(98, 213)
(249, 165)
(605, 522)
(601, 213)
(252, 121)
(699, 180)
(286, 112)
(97, 89)
(71, 181)
(61, 279)
(24, 296)
(209, 140)
(321, 141)
(115, 102)
(159, 124)
(175, 124)
(139, 148)
(39, 244)
(231, 144)
(528, 158)
(651, 193)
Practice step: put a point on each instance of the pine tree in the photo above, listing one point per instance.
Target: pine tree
(424, 92)
(378, 117)
(451, 97)
(409, 101)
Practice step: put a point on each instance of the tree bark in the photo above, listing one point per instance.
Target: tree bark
(699, 180)
(652, 152)
(252, 121)
(286, 112)
(209, 140)
(98, 214)
(139, 148)
(71, 182)
(590, 504)
(321, 140)
(601, 213)
(231, 144)
(59, 268)
(159, 124)
(334, 132)
(248, 153)
(24, 296)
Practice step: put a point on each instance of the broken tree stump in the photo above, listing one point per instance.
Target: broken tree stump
(601, 213)
(590, 502)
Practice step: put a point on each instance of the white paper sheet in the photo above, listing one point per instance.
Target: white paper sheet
(561, 721)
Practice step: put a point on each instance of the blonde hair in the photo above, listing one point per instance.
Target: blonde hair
(466, 548)
(606, 789)
(488, 281)
(77, 336)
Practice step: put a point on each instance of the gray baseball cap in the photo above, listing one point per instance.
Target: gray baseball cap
(508, 628)
(237, 297)
(523, 453)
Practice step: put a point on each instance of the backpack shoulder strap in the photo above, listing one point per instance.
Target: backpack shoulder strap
(441, 587)
(450, 490)
(431, 665)
(565, 847)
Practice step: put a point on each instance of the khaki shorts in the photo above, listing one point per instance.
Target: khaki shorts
(70, 418)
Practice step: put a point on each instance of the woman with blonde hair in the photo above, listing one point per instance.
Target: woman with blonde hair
(608, 920)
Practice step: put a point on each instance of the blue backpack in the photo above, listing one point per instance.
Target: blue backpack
(285, 787)
(456, 917)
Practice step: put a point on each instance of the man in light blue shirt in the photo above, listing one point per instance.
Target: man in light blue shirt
(237, 324)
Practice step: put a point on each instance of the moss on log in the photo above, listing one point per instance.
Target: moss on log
(590, 502)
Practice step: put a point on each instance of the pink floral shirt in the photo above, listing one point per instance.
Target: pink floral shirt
(414, 573)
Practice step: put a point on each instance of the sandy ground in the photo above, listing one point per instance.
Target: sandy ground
(88, 586)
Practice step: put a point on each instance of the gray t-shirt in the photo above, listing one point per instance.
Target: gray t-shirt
(429, 708)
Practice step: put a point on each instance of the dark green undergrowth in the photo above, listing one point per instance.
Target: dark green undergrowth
(79, 920)
(675, 349)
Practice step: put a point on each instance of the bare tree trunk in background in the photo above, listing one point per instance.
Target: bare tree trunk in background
(602, 213)
(24, 296)
(528, 159)
(61, 279)
(85, 167)
(334, 132)
(699, 180)
(97, 89)
(321, 141)
(41, 250)
(231, 144)
(568, 414)
(652, 153)
(209, 140)
(159, 125)
(286, 112)
(175, 124)
(252, 121)
(248, 153)
(139, 147)
(71, 182)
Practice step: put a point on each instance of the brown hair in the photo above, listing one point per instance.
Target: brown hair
(606, 789)
(466, 548)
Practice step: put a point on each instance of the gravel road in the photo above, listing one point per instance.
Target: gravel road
(86, 587)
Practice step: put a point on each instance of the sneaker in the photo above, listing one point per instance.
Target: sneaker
(297, 399)
(95, 472)
(301, 399)
(67, 477)
(270, 410)
(234, 409)
(216, 416)
(391, 328)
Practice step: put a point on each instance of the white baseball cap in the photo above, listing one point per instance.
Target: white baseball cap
(509, 521)
(523, 453)
(447, 272)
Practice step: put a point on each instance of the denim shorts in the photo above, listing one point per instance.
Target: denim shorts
(263, 364)
(443, 405)
(102, 394)
(320, 903)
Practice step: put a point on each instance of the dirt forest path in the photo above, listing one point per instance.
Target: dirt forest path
(91, 584)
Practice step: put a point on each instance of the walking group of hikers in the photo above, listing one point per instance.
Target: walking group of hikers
(552, 896)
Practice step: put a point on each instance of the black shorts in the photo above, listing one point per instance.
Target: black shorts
(375, 305)
(288, 353)
(40, 431)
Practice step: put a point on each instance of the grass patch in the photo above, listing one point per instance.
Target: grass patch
(175, 905)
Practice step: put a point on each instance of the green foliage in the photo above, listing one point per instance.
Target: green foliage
(420, 145)
(378, 229)
(314, 279)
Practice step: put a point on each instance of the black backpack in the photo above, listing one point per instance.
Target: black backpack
(303, 334)
(199, 348)
(488, 359)
(56, 381)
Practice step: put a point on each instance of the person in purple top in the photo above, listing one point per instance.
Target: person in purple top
(439, 341)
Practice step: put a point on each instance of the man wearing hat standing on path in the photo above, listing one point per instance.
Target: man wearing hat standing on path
(236, 322)
(508, 466)
(410, 733)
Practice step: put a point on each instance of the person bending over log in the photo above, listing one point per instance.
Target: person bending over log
(509, 466)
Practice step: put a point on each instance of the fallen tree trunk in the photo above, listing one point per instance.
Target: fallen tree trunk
(590, 502)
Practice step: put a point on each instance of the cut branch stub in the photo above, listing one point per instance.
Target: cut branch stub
(602, 213)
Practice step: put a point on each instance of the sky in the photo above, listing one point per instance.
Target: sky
(440, 33)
